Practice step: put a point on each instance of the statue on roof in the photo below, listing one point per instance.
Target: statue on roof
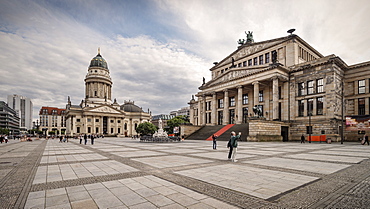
(249, 36)
(241, 41)
(204, 80)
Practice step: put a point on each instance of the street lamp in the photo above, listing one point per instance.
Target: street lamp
(310, 102)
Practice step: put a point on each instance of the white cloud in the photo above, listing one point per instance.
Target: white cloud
(46, 50)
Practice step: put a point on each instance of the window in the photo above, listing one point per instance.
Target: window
(309, 87)
(260, 96)
(244, 63)
(96, 129)
(78, 120)
(232, 101)
(112, 121)
(232, 116)
(309, 106)
(222, 71)
(119, 130)
(125, 126)
(361, 87)
(221, 103)
(240, 64)
(112, 130)
(300, 89)
(96, 93)
(261, 59)
(208, 118)
(320, 85)
(89, 120)
(319, 105)
(361, 106)
(118, 121)
(250, 62)
(245, 99)
(267, 57)
(88, 129)
(78, 130)
(220, 117)
(279, 92)
(255, 61)
(300, 108)
(135, 126)
(97, 120)
(208, 105)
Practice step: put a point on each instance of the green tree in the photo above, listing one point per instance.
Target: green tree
(146, 128)
(176, 122)
(4, 131)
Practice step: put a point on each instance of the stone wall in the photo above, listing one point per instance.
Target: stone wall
(264, 130)
(187, 130)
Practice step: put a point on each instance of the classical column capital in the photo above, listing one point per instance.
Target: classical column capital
(239, 87)
(274, 77)
(225, 90)
(213, 93)
(255, 82)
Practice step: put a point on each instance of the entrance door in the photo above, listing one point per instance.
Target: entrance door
(105, 125)
(285, 133)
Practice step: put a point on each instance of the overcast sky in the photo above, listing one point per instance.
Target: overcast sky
(157, 51)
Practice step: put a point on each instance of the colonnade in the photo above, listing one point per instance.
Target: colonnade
(237, 92)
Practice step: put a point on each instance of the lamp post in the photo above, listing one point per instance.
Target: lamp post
(37, 124)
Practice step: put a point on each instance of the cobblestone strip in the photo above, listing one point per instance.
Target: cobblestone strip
(320, 193)
(83, 181)
(16, 184)
(72, 162)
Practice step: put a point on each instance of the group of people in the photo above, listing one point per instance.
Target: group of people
(85, 137)
(232, 145)
(4, 138)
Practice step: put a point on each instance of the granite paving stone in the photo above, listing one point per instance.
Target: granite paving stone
(125, 173)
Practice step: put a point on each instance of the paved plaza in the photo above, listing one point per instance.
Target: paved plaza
(126, 173)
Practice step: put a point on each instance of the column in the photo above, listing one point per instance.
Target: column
(204, 110)
(93, 125)
(239, 105)
(191, 113)
(214, 108)
(275, 98)
(85, 124)
(199, 111)
(226, 107)
(256, 91)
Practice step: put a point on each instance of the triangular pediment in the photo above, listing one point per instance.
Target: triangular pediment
(233, 74)
(248, 49)
(105, 109)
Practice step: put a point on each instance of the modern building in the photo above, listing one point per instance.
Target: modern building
(283, 88)
(163, 117)
(52, 119)
(183, 111)
(24, 108)
(97, 114)
(9, 119)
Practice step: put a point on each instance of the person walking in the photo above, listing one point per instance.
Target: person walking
(85, 137)
(92, 139)
(81, 138)
(214, 137)
(302, 139)
(366, 139)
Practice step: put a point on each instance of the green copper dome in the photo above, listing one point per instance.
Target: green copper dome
(99, 61)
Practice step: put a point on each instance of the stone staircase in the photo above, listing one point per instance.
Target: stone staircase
(206, 132)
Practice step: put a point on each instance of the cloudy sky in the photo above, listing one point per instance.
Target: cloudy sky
(157, 51)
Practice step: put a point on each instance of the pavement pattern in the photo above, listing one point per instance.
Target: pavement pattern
(127, 173)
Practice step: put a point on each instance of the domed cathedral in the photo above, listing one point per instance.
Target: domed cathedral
(97, 114)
